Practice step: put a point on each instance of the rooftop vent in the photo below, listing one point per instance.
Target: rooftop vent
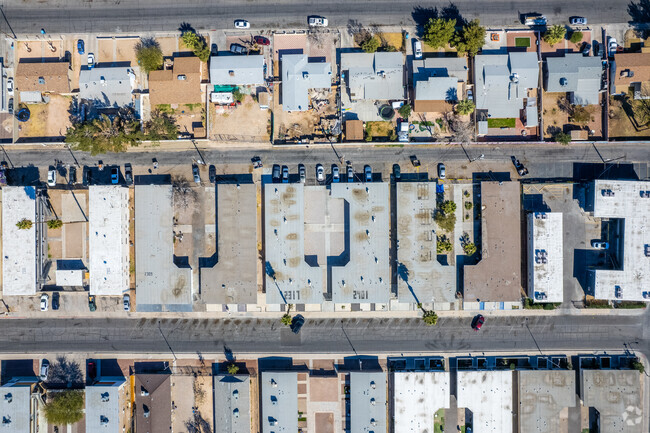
(646, 295)
(563, 82)
(607, 193)
(41, 80)
(6, 420)
(143, 391)
(235, 394)
(181, 77)
(9, 398)
(145, 411)
(514, 77)
(644, 194)
(372, 401)
(540, 215)
(105, 396)
(235, 413)
(372, 384)
(618, 292)
(231, 73)
(103, 420)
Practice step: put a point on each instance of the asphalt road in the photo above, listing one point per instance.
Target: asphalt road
(77, 16)
(550, 334)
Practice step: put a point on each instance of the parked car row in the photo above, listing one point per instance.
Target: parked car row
(92, 306)
(313, 21)
(280, 174)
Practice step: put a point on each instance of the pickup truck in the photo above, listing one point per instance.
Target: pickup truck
(403, 131)
(523, 171)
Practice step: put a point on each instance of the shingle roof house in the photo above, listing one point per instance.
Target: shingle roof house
(374, 76)
(43, 77)
(578, 75)
(298, 76)
(502, 82)
(632, 70)
(179, 85)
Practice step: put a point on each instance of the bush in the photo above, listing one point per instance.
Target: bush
(554, 34)
(149, 55)
(562, 138)
(438, 32)
(468, 205)
(576, 37)
(24, 224)
(470, 39)
(443, 245)
(405, 111)
(54, 224)
(392, 136)
(65, 407)
(469, 248)
(238, 95)
(637, 365)
(370, 45)
(286, 319)
(465, 107)
(580, 114)
(448, 207)
(512, 366)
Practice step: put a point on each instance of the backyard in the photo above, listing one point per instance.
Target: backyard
(245, 122)
(560, 116)
(187, 116)
(380, 130)
(47, 121)
(624, 118)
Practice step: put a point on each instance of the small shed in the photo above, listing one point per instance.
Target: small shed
(264, 100)
(579, 135)
(353, 130)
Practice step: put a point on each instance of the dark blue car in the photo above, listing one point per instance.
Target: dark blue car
(80, 46)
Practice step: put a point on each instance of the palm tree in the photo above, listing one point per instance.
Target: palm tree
(430, 317)
(286, 318)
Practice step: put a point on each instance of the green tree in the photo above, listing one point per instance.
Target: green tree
(465, 107)
(554, 34)
(286, 319)
(448, 207)
(562, 137)
(238, 95)
(468, 205)
(575, 37)
(370, 45)
(161, 127)
(232, 368)
(443, 245)
(197, 44)
(24, 224)
(637, 365)
(105, 134)
(149, 55)
(470, 38)
(469, 248)
(429, 317)
(65, 407)
(405, 111)
(55, 224)
(438, 32)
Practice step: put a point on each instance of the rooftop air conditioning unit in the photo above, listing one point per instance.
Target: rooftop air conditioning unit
(105, 396)
(181, 77)
(563, 82)
(9, 398)
(103, 420)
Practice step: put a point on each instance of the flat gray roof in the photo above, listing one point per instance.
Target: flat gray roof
(420, 275)
(284, 221)
(18, 245)
(108, 239)
(160, 284)
(279, 402)
(233, 279)
(629, 200)
(298, 76)
(616, 394)
(103, 407)
(545, 257)
(488, 394)
(237, 70)
(440, 67)
(15, 408)
(437, 89)
(575, 73)
(502, 82)
(232, 403)
(417, 397)
(377, 76)
(368, 401)
(542, 395)
(366, 277)
(109, 87)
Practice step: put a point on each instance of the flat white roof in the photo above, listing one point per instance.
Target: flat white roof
(545, 260)
(488, 394)
(368, 401)
(616, 394)
(542, 395)
(296, 282)
(279, 402)
(160, 283)
(69, 277)
(108, 239)
(629, 200)
(366, 277)
(15, 408)
(417, 397)
(18, 246)
(103, 408)
(420, 275)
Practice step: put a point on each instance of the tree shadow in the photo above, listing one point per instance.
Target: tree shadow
(230, 357)
(421, 16)
(65, 374)
(354, 27)
(639, 15)
(197, 424)
(451, 12)
(186, 27)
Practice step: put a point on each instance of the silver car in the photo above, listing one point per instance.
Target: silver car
(195, 173)
(320, 173)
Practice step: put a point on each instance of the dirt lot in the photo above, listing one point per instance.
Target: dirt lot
(191, 414)
(125, 50)
(303, 125)
(47, 120)
(104, 52)
(169, 46)
(186, 115)
(226, 123)
(622, 123)
(556, 118)
(41, 48)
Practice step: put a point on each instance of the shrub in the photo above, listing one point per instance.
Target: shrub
(238, 95)
(469, 248)
(562, 137)
(468, 205)
(370, 45)
(286, 319)
(637, 365)
(448, 207)
(576, 37)
(405, 111)
(443, 245)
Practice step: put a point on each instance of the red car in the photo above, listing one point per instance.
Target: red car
(261, 40)
(478, 322)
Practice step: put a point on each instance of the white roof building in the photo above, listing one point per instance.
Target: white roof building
(298, 76)
(15, 406)
(417, 397)
(488, 394)
(237, 70)
(279, 402)
(103, 406)
(107, 87)
(108, 239)
(545, 260)
(374, 76)
(628, 201)
(18, 245)
(368, 401)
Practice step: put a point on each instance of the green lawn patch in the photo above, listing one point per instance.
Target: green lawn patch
(502, 123)
(439, 421)
(522, 42)
(380, 129)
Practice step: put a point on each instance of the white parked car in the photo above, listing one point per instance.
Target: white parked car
(127, 302)
(613, 46)
(320, 173)
(242, 24)
(599, 245)
(91, 60)
(51, 176)
(417, 49)
(10, 86)
(45, 301)
(317, 21)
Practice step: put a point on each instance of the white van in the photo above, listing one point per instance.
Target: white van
(417, 49)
